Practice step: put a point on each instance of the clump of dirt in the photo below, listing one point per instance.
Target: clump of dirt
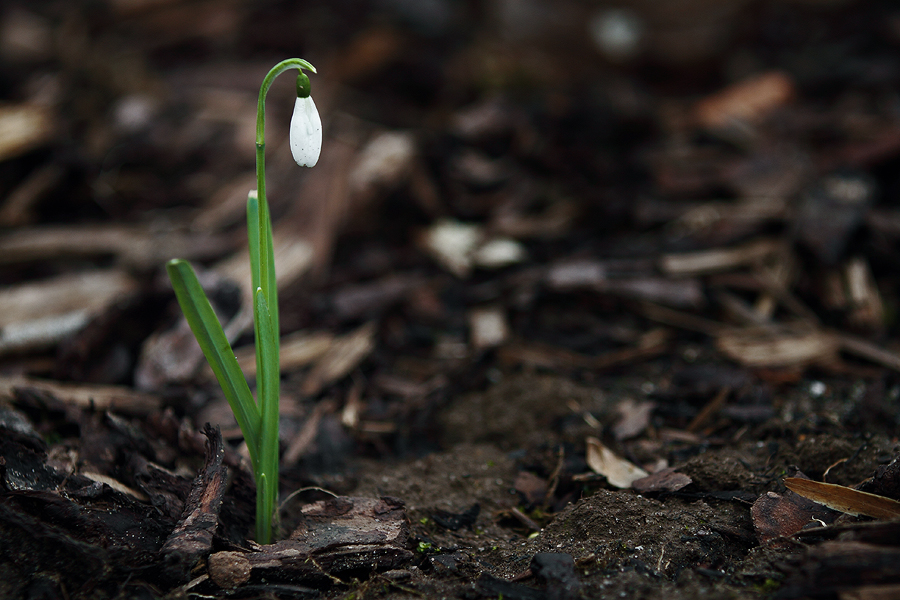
(540, 401)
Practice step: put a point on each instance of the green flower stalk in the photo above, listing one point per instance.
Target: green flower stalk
(258, 419)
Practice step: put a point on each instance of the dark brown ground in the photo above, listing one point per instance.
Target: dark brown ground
(702, 241)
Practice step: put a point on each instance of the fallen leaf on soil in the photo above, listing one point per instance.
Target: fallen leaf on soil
(845, 499)
(775, 515)
(619, 472)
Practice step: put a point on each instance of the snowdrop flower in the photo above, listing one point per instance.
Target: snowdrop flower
(306, 126)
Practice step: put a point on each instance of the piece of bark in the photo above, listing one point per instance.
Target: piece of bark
(837, 566)
(885, 482)
(335, 536)
(192, 537)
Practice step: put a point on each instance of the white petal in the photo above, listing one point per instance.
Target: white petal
(306, 132)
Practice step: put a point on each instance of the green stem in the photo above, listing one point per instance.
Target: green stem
(291, 63)
(266, 321)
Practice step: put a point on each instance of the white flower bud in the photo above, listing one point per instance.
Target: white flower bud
(306, 132)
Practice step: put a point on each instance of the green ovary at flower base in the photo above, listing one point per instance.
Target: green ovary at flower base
(258, 420)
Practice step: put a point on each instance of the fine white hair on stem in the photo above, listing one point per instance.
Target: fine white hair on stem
(306, 132)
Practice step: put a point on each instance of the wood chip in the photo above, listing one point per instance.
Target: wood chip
(297, 350)
(718, 259)
(452, 244)
(193, 536)
(488, 327)
(23, 128)
(777, 346)
(749, 100)
(86, 397)
(139, 247)
(35, 316)
(867, 307)
(116, 485)
(384, 162)
(345, 353)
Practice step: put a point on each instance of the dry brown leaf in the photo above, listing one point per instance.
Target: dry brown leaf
(845, 499)
(619, 472)
(775, 516)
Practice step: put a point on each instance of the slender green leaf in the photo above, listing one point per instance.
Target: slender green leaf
(268, 391)
(253, 239)
(208, 331)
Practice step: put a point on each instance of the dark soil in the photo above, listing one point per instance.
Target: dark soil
(523, 246)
